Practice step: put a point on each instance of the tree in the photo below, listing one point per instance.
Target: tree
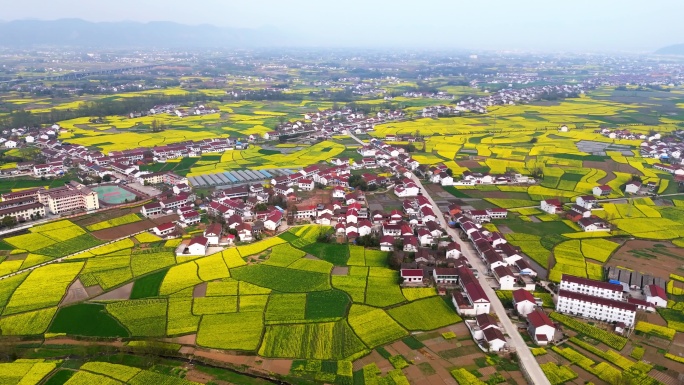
(107, 178)
(8, 221)
(357, 182)
(260, 207)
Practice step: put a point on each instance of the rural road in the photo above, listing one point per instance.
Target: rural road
(526, 359)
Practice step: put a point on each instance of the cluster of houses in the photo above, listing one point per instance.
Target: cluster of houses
(506, 96)
(627, 135)
(172, 109)
(580, 212)
(324, 124)
(669, 148)
(503, 261)
(19, 137)
(440, 174)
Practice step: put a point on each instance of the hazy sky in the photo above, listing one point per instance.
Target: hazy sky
(577, 25)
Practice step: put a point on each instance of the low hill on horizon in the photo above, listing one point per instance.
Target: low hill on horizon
(81, 33)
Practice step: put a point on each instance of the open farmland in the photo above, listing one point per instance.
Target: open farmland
(283, 305)
(304, 305)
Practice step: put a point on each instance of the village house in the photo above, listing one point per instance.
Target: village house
(197, 246)
(602, 191)
(412, 275)
(656, 295)
(523, 302)
(593, 224)
(213, 233)
(587, 201)
(551, 206)
(164, 229)
(445, 275)
(540, 327)
(633, 187)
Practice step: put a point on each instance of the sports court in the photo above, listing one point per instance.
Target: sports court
(112, 194)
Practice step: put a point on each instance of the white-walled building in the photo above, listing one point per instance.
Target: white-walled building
(213, 233)
(505, 276)
(590, 287)
(472, 300)
(445, 275)
(523, 302)
(656, 295)
(597, 308)
(551, 206)
(540, 327)
(164, 229)
(412, 275)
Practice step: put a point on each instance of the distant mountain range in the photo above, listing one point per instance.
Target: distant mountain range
(677, 49)
(81, 33)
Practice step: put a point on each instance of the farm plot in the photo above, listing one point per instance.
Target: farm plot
(180, 277)
(354, 285)
(383, 287)
(374, 326)
(8, 286)
(258, 247)
(180, 317)
(214, 305)
(212, 331)
(332, 340)
(44, 287)
(326, 305)
(415, 293)
(30, 241)
(425, 314)
(26, 372)
(285, 308)
(128, 218)
(87, 319)
(212, 267)
(283, 255)
(28, 323)
(142, 317)
(337, 254)
(282, 279)
(145, 263)
(71, 246)
(598, 249)
(59, 231)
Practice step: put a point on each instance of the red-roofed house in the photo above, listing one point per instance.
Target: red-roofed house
(164, 229)
(190, 217)
(197, 246)
(412, 275)
(445, 275)
(540, 327)
(523, 302)
(213, 233)
(273, 220)
(656, 295)
(453, 250)
(551, 206)
(387, 243)
(495, 339)
(601, 191)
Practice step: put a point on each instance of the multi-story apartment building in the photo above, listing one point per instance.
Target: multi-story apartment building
(24, 212)
(71, 197)
(590, 287)
(593, 307)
